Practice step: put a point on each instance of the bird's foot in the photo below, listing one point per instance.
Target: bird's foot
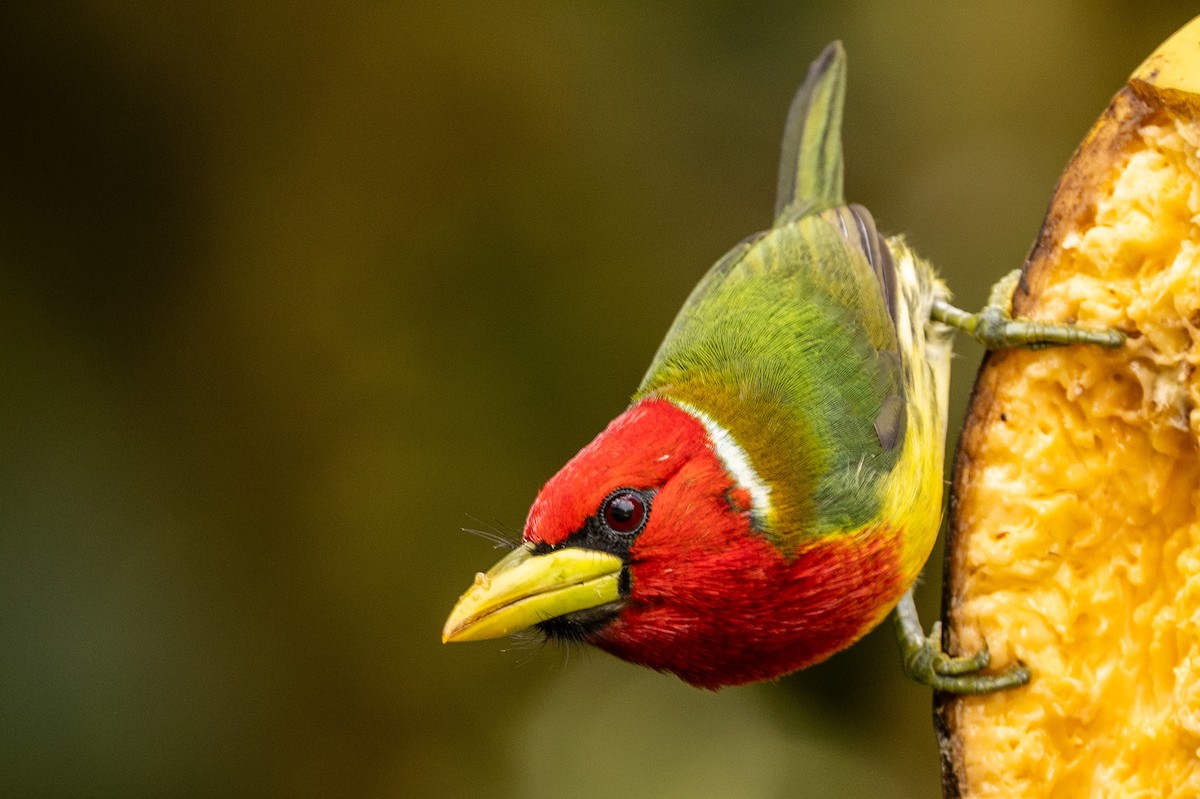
(926, 662)
(995, 328)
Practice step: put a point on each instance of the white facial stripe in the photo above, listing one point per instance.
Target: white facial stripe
(736, 462)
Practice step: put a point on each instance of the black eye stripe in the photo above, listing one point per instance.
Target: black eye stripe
(597, 532)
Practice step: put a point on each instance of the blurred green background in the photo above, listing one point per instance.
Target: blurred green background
(288, 295)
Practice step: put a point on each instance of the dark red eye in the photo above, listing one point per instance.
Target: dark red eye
(624, 511)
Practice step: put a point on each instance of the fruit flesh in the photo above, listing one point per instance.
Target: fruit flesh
(1075, 540)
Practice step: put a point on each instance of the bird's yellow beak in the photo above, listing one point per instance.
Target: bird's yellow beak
(524, 589)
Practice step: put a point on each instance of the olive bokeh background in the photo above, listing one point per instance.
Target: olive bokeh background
(290, 294)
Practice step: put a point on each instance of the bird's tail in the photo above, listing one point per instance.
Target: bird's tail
(810, 171)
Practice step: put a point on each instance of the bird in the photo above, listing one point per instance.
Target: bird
(774, 488)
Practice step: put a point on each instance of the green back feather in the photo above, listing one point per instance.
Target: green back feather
(789, 344)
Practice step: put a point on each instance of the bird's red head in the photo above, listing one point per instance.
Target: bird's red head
(703, 591)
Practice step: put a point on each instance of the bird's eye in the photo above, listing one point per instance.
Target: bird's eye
(624, 511)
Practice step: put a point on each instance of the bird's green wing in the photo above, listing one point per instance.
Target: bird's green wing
(789, 342)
